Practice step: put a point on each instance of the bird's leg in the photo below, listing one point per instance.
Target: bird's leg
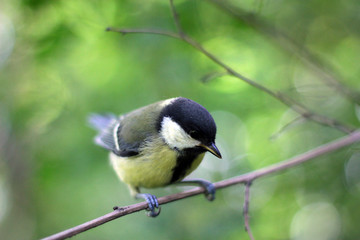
(208, 186)
(153, 204)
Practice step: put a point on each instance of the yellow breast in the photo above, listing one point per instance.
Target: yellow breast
(152, 168)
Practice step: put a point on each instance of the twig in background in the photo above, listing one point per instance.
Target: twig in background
(286, 100)
(290, 124)
(176, 19)
(210, 76)
(246, 209)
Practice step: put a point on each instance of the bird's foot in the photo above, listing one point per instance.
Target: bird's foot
(153, 205)
(208, 186)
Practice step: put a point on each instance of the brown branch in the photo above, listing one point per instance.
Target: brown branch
(246, 209)
(249, 177)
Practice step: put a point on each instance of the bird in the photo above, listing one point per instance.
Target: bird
(158, 145)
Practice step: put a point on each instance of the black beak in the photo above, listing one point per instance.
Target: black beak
(212, 149)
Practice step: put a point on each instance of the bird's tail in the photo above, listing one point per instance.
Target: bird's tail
(105, 124)
(101, 121)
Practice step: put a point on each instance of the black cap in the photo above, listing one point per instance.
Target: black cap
(193, 118)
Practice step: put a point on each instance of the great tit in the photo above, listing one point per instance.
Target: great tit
(158, 145)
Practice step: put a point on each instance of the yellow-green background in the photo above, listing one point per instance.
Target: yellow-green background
(58, 65)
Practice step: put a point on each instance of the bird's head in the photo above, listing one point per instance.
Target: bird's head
(185, 124)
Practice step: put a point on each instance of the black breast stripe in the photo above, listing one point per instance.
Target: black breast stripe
(184, 162)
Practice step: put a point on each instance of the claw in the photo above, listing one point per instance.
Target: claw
(209, 190)
(153, 204)
(154, 213)
(208, 186)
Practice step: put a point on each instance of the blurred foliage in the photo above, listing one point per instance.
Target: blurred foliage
(58, 65)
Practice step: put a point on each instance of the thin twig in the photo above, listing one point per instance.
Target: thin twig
(208, 77)
(287, 126)
(249, 177)
(246, 209)
(176, 19)
(125, 31)
(306, 113)
(297, 107)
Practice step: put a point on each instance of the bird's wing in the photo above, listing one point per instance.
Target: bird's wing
(124, 135)
(107, 126)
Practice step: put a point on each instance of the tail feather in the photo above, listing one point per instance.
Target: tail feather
(105, 125)
(101, 122)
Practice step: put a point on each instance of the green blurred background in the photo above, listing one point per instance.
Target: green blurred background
(58, 65)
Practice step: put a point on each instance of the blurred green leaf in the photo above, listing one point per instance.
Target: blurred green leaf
(64, 66)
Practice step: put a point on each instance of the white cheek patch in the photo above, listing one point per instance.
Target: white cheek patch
(175, 136)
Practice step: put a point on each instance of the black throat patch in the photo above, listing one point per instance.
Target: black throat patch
(184, 161)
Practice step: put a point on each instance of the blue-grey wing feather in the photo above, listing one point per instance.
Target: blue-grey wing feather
(105, 125)
(127, 134)
(109, 127)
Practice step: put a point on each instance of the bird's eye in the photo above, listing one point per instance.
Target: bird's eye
(194, 134)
